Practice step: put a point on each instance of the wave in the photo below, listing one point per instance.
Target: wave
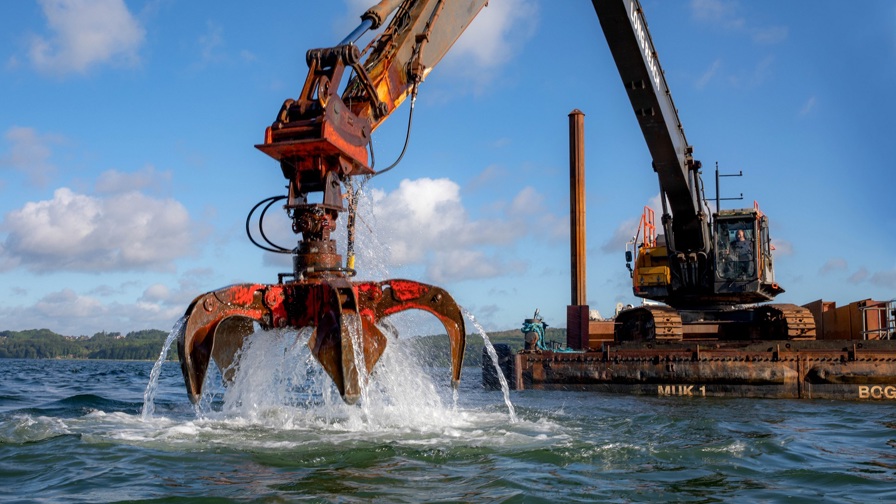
(80, 404)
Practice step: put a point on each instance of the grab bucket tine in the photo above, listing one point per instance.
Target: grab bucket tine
(346, 340)
(393, 296)
(216, 326)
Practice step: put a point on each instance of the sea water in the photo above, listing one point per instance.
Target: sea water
(74, 431)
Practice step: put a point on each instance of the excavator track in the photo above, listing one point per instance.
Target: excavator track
(787, 321)
(650, 322)
(768, 322)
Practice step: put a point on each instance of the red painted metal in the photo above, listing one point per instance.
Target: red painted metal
(342, 315)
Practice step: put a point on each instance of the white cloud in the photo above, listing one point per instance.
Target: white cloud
(621, 236)
(210, 42)
(770, 34)
(77, 232)
(627, 229)
(488, 177)
(114, 181)
(85, 33)
(424, 222)
(782, 247)
(527, 211)
(808, 107)
(421, 215)
(488, 39)
(66, 303)
(725, 14)
(211, 46)
(29, 153)
(885, 279)
(494, 36)
(859, 276)
(71, 313)
(455, 265)
(709, 74)
(752, 78)
(835, 264)
(155, 293)
(171, 303)
(716, 11)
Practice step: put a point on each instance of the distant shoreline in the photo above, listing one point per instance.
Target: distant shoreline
(146, 345)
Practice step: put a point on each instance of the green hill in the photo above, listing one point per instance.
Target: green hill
(435, 350)
(147, 344)
(45, 344)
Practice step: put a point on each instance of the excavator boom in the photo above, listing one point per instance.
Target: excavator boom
(636, 59)
(697, 268)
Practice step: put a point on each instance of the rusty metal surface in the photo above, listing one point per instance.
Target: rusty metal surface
(664, 323)
(577, 206)
(788, 320)
(649, 322)
(847, 370)
(342, 314)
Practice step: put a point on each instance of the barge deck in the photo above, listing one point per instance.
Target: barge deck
(852, 358)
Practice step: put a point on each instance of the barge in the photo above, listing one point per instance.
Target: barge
(852, 358)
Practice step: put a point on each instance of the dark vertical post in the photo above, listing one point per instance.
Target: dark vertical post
(577, 311)
(718, 199)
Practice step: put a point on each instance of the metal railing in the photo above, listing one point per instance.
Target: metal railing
(879, 320)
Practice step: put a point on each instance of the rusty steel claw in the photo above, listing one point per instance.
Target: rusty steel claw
(344, 315)
(381, 299)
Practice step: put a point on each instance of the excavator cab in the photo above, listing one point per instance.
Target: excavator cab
(737, 250)
(743, 259)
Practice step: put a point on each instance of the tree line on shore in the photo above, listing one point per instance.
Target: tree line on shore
(147, 345)
(46, 344)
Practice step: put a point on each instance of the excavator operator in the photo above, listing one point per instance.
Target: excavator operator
(741, 253)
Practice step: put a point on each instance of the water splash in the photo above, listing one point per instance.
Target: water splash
(279, 384)
(151, 387)
(353, 325)
(505, 389)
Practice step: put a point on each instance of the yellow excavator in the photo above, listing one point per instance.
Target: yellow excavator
(707, 270)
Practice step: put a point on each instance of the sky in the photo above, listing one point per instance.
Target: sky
(127, 159)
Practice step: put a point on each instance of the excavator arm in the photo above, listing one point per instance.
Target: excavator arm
(322, 139)
(636, 59)
(688, 272)
(322, 131)
(399, 59)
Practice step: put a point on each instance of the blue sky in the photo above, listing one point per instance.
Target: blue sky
(127, 163)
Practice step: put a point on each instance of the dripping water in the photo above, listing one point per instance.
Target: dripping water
(151, 387)
(505, 389)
